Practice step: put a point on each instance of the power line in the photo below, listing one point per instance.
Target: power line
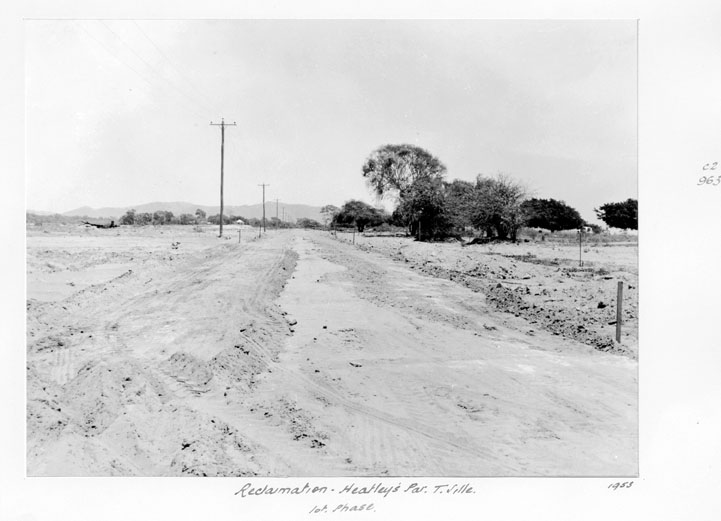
(155, 72)
(123, 62)
(192, 100)
(172, 64)
(114, 55)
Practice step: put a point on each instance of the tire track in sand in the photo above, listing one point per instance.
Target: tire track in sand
(439, 438)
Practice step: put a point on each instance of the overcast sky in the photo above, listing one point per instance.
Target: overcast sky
(118, 112)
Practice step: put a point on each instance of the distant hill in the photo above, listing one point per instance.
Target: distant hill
(292, 211)
(34, 218)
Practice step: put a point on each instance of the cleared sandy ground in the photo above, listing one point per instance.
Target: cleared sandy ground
(298, 354)
(541, 282)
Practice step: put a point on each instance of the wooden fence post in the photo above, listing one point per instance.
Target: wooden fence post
(619, 311)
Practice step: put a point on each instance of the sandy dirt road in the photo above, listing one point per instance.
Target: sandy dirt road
(297, 354)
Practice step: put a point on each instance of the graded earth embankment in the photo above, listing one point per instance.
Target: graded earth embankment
(297, 354)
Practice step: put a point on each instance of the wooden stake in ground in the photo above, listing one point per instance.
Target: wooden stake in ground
(222, 126)
(238, 235)
(580, 246)
(353, 235)
(619, 310)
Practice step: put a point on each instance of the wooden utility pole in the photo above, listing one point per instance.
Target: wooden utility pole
(222, 126)
(283, 214)
(263, 185)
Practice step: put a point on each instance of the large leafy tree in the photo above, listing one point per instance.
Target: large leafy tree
(215, 219)
(304, 222)
(329, 212)
(414, 177)
(358, 214)
(497, 206)
(551, 214)
(163, 217)
(143, 218)
(459, 201)
(128, 218)
(622, 215)
(422, 207)
(392, 169)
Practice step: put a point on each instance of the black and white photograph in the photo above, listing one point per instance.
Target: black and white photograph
(373, 248)
(360, 260)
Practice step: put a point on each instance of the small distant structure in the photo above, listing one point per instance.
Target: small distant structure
(240, 221)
